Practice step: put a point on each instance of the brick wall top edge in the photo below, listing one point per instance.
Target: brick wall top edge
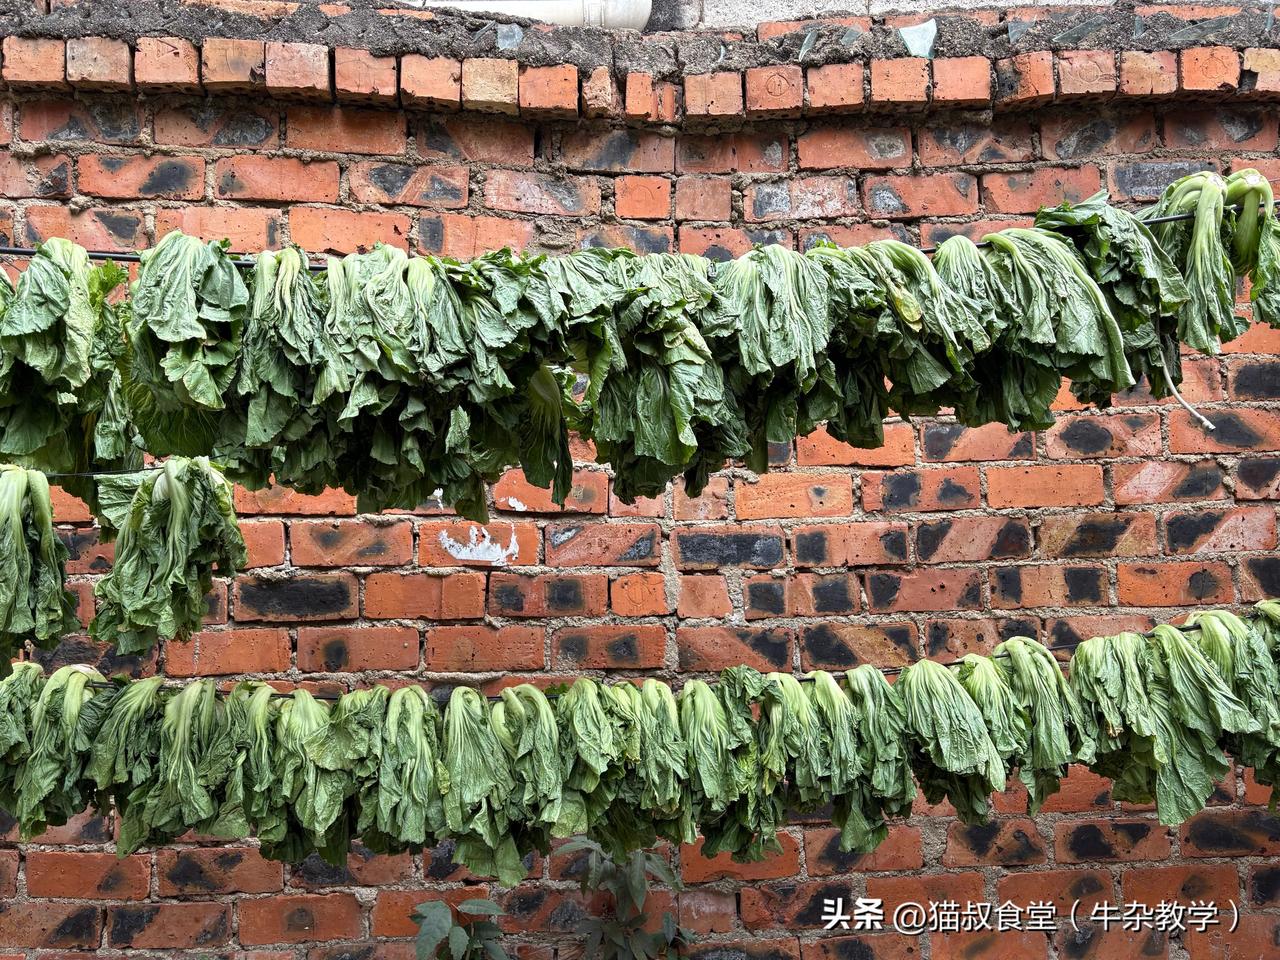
(370, 25)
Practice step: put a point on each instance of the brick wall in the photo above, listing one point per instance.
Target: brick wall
(941, 542)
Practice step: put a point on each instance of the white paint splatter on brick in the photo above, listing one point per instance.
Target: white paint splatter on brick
(481, 547)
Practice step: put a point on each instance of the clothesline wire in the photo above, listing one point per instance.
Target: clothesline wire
(319, 267)
(1068, 647)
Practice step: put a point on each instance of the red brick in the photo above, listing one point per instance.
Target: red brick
(547, 595)
(609, 647)
(713, 94)
(616, 151)
(962, 81)
(360, 76)
(1209, 69)
(233, 66)
(392, 912)
(465, 237)
(201, 871)
(924, 590)
(926, 888)
(325, 230)
(45, 177)
(167, 926)
(834, 87)
(246, 228)
(703, 597)
(68, 120)
(795, 495)
(950, 488)
(436, 186)
(478, 648)
(741, 153)
(299, 919)
(1264, 64)
(715, 648)
(642, 198)
(695, 868)
(433, 82)
(1209, 129)
(588, 494)
(55, 925)
(1180, 583)
(34, 62)
(265, 542)
(1238, 430)
(1086, 72)
(639, 595)
(1076, 137)
(1220, 531)
(355, 649)
(549, 91)
(820, 449)
(1048, 586)
(708, 911)
(703, 198)
(223, 652)
(341, 543)
(616, 544)
(276, 179)
(972, 539)
(99, 63)
(850, 544)
(315, 597)
(1144, 74)
(875, 148)
(1005, 843)
(1025, 80)
(776, 90)
(1065, 485)
(909, 196)
(1182, 884)
(777, 28)
(283, 501)
(904, 81)
(87, 876)
(451, 543)
(838, 646)
(166, 65)
(541, 193)
(1256, 937)
(476, 139)
(491, 85)
(396, 596)
(1027, 192)
(1257, 478)
(171, 178)
(650, 100)
(600, 96)
(298, 70)
(1094, 841)
(901, 850)
(1071, 535)
(116, 228)
(355, 130)
(1116, 435)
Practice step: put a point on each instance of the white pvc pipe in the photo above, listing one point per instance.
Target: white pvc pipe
(613, 14)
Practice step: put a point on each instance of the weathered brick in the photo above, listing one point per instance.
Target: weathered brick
(298, 70)
(969, 539)
(839, 646)
(79, 875)
(945, 589)
(547, 595)
(715, 648)
(170, 178)
(327, 230)
(275, 179)
(99, 63)
(202, 871)
(696, 868)
(1219, 531)
(639, 595)
(301, 918)
(34, 62)
(159, 926)
(1049, 586)
(1025, 80)
(1086, 73)
(480, 647)
(642, 198)
(356, 130)
(1005, 843)
(166, 65)
(314, 597)
(713, 94)
(776, 90)
(64, 926)
(1209, 69)
(451, 543)
(900, 82)
(433, 82)
(1161, 481)
(609, 647)
(876, 148)
(342, 543)
(396, 596)
(541, 193)
(437, 186)
(360, 76)
(909, 196)
(1174, 583)
(491, 85)
(549, 91)
(1067, 485)
(1071, 535)
(225, 652)
(233, 66)
(1144, 74)
(620, 544)
(834, 87)
(354, 649)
